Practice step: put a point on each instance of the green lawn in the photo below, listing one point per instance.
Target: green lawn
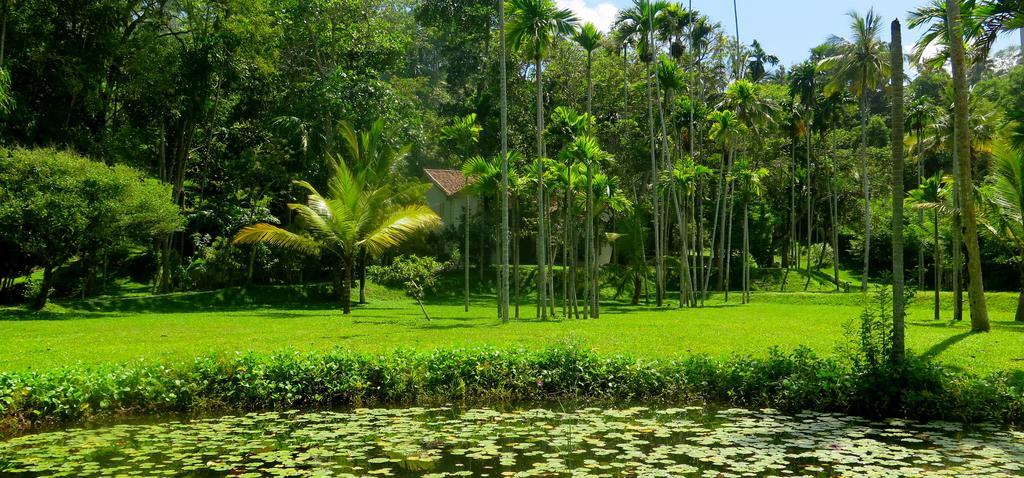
(269, 319)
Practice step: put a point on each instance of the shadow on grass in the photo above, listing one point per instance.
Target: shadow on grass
(941, 347)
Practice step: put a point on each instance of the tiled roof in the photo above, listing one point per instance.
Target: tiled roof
(449, 180)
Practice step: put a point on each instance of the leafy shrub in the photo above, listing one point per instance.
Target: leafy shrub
(794, 381)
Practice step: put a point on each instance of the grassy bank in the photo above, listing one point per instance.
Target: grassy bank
(787, 381)
(183, 326)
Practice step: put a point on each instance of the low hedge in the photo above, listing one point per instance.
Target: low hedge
(790, 381)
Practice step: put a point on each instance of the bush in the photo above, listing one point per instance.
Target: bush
(793, 381)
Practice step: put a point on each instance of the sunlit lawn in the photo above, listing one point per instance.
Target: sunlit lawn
(183, 326)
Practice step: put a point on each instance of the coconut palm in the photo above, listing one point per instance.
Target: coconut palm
(965, 182)
(861, 66)
(1005, 219)
(757, 62)
(935, 40)
(931, 195)
(355, 216)
(534, 27)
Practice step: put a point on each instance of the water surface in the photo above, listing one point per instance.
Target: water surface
(590, 442)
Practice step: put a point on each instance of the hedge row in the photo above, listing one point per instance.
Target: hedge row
(793, 381)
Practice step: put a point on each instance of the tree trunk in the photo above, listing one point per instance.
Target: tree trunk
(465, 251)
(938, 266)
(976, 286)
(44, 289)
(503, 294)
(362, 276)
(346, 286)
(542, 273)
(810, 201)
(898, 306)
(654, 188)
(866, 185)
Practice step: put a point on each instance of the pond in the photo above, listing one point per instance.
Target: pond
(542, 442)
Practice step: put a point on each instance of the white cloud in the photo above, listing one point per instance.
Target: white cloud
(601, 14)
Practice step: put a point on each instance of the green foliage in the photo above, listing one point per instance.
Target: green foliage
(418, 275)
(789, 381)
(56, 206)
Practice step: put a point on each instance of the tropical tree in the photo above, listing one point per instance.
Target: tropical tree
(965, 182)
(463, 134)
(355, 216)
(589, 38)
(860, 66)
(758, 61)
(1005, 217)
(504, 286)
(534, 27)
(803, 87)
(931, 195)
(995, 17)
(640, 21)
(898, 137)
(726, 130)
(920, 116)
(751, 178)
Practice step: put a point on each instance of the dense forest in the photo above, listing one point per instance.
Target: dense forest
(167, 142)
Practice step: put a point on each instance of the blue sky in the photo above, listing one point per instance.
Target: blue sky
(786, 28)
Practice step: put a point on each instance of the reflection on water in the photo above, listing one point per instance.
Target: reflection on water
(591, 442)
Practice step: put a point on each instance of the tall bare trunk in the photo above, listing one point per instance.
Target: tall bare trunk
(976, 286)
(542, 241)
(503, 294)
(938, 266)
(866, 185)
(465, 251)
(654, 188)
(898, 306)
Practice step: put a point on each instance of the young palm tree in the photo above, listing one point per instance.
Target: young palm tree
(861, 66)
(751, 178)
(930, 195)
(804, 88)
(965, 184)
(355, 216)
(726, 129)
(1006, 216)
(534, 27)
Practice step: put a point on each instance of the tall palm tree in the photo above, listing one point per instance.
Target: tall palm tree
(464, 134)
(930, 195)
(534, 27)
(898, 138)
(860, 66)
(803, 87)
(640, 20)
(672, 24)
(751, 178)
(965, 185)
(504, 287)
(589, 38)
(355, 216)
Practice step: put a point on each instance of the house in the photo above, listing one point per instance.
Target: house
(447, 197)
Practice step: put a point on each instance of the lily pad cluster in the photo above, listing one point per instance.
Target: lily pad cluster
(534, 442)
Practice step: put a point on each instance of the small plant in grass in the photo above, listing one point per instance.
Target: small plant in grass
(417, 274)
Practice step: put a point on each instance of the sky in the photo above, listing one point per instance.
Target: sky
(785, 28)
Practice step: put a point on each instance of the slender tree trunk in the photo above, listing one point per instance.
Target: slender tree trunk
(834, 209)
(362, 276)
(654, 189)
(346, 286)
(1019, 317)
(465, 251)
(976, 286)
(44, 288)
(866, 185)
(920, 213)
(898, 306)
(810, 200)
(505, 239)
(3, 31)
(938, 266)
(542, 273)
